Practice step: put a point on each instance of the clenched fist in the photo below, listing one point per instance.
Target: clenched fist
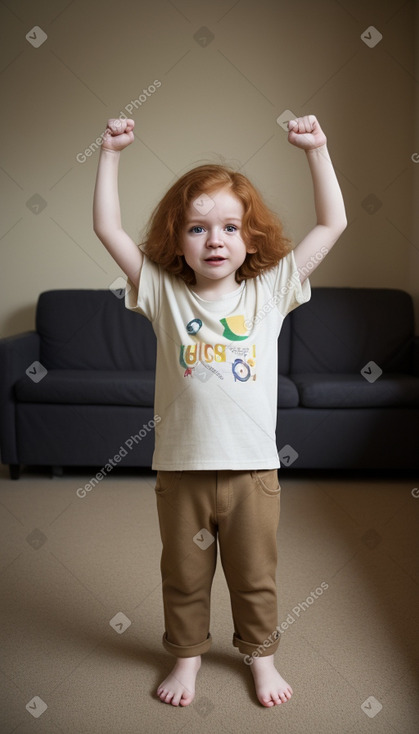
(306, 133)
(118, 134)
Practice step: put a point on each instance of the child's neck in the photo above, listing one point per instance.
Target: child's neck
(214, 290)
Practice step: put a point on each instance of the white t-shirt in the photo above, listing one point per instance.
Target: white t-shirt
(216, 373)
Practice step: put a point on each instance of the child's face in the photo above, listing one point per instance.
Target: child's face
(211, 240)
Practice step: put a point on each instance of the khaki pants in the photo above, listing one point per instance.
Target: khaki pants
(242, 507)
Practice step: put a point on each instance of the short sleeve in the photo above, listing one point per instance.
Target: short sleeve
(146, 298)
(288, 290)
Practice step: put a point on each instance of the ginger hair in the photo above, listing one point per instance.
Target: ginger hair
(261, 228)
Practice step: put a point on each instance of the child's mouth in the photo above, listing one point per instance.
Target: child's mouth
(214, 260)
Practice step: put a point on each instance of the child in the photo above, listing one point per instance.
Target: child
(216, 277)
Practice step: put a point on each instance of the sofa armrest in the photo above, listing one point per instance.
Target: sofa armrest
(416, 356)
(17, 353)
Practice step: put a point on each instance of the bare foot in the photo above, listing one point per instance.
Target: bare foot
(179, 686)
(271, 688)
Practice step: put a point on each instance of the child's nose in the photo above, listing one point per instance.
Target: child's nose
(214, 237)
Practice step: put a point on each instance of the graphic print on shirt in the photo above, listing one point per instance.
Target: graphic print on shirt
(194, 326)
(234, 328)
(225, 361)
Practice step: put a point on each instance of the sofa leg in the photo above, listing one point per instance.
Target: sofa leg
(14, 470)
(57, 471)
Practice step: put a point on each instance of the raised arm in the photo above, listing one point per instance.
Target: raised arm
(306, 133)
(106, 208)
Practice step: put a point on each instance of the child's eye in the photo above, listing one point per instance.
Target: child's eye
(231, 228)
(197, 227)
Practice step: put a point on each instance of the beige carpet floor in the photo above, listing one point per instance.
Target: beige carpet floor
(82, 617)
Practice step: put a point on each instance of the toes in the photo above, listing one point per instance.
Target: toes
(285, 695)
(185, 700)
(175, 699)
(182, 699)
(266, 702)
(165, 695)
(276, 699)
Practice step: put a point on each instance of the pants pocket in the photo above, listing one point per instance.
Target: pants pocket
(167, 481)
(267, 482)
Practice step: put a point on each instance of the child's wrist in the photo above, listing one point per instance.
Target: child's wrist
(318, 149)
(109, 150)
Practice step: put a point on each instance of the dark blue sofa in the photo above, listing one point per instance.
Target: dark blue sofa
(81, 386)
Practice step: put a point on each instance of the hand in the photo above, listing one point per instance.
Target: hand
(118, 134)
(306, 133)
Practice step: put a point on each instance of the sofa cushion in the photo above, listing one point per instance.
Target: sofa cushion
(354, 391)
(287, 393)
(91, 387)
(98, 387)
(340, 330)
(92, 330)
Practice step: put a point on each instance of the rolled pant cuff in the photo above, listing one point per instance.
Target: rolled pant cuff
(260, 651)
(187, 651)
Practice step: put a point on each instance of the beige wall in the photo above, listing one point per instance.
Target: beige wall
(218, 101)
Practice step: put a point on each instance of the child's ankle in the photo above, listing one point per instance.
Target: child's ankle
(189, 660)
